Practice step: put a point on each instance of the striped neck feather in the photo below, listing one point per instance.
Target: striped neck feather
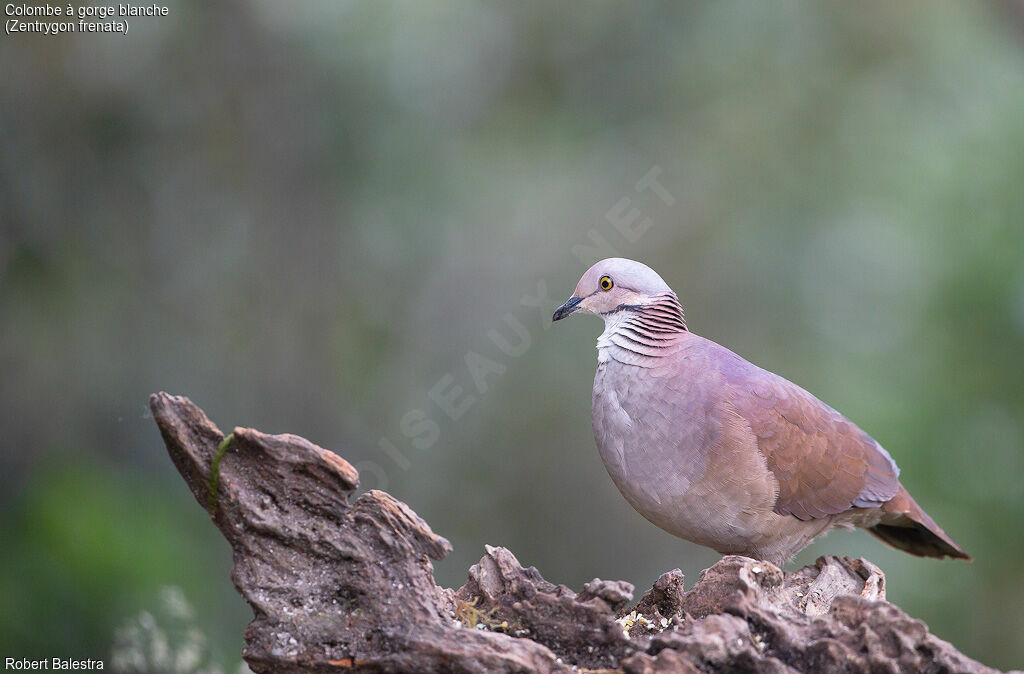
(640, 334)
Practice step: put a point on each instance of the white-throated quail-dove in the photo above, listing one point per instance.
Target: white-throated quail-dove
(715, 450)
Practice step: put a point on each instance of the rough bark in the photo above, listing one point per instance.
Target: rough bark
(338, 583)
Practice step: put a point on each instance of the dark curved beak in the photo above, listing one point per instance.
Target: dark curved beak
(570, 306)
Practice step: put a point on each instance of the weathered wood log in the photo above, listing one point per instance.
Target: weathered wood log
(342, 584)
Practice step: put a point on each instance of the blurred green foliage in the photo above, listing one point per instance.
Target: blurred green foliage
(304, 216)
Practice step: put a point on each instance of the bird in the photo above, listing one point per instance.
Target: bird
(717, 451)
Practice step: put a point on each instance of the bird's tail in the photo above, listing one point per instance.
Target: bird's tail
(909, 528)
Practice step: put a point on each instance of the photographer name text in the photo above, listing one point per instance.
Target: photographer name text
(51, 664)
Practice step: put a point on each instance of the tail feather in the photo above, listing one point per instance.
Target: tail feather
(909, 528)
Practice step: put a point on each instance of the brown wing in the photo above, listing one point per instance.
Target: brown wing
(823, 462)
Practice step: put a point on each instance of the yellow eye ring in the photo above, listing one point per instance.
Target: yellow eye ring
(606, 283)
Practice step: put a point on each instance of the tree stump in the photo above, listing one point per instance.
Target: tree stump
(341, 584)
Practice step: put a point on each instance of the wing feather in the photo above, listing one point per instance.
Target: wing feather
(825, 465)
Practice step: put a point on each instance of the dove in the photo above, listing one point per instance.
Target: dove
(717, 451)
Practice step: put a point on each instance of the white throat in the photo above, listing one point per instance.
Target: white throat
(612, 325)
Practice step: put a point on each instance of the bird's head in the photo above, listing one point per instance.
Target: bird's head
(613, 285)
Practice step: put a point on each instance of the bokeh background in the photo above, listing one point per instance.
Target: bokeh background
(306, 216)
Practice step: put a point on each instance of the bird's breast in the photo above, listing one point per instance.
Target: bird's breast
(679, 459)
(653, 455)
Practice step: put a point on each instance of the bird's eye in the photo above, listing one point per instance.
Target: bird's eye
(606, 283)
